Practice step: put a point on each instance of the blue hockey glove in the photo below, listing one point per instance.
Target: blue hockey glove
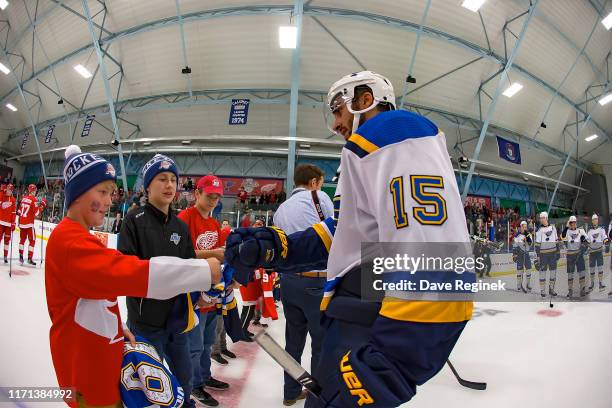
(250, 248)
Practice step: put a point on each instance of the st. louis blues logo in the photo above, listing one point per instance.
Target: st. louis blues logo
(574, 237)
(110, 170)
(596, 235)
(175, 238)
(548, 234)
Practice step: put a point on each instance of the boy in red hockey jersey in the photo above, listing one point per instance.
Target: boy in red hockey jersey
(83, 279)
(28, 209)
(7, 219)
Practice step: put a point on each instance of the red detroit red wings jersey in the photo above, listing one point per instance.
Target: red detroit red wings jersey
(7, 210)
(27, 211)
(205, 232)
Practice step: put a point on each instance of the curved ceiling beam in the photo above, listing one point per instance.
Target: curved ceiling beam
(276, 96)
(312, 11)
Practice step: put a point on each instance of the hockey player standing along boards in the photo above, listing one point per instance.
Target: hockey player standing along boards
(28, 209)
(83, 279)
(547, 251)
(598, 238)
(396, 185)
(576, 243)
(7, 219)
(521, 243)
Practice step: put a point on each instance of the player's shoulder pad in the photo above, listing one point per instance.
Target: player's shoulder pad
(388, 128)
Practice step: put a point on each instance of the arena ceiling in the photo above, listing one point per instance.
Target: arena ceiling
(558, 50)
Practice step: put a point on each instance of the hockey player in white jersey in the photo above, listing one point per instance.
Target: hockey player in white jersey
(598, 238)
(547, 251)
(396, 184)
(576, 242)
(521, 243)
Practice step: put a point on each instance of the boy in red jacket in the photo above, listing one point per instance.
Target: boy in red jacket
(83, 279)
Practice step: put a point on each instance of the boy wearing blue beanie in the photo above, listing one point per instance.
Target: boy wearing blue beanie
(155, 230)
(83, 279)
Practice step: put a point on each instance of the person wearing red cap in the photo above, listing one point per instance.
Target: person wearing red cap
(206, 235)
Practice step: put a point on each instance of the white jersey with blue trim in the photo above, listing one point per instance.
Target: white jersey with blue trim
(597, 236)
(546, 239)
(396, 184)
(145, 381)
(520, 241)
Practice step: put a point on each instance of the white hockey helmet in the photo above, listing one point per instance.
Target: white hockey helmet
(343, 92)
(594, 217)
(523, 223)
(572, 219)
(544, 214)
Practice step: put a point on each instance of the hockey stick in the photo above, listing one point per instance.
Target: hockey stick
(481, 386)
(42, 232)
(284, 359)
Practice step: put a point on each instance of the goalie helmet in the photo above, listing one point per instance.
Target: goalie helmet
(343, 92)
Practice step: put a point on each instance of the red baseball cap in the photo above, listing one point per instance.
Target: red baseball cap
(210, 185)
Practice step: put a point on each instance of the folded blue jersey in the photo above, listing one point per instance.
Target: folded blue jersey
(145, 381)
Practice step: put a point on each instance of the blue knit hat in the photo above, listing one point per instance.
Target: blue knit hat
(158, 164)
(82, 171)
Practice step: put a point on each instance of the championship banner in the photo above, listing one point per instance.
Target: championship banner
(475, 199)
(24, 142)
(239, 111)
(253, 186)
(87, 125)
(508, 150)
(49, 134)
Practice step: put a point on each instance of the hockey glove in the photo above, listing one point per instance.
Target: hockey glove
(250, 248)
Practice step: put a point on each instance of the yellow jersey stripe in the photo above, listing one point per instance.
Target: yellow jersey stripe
(362, 142)
(322, 233)
(426, 311)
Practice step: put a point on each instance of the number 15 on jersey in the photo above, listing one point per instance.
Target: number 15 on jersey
(432, 208)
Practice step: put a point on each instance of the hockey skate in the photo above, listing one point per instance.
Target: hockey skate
(31, 262)
(552, 292)
(602, 287)
(21, 259)
(570, 293)
(6, 260)
(584, 292)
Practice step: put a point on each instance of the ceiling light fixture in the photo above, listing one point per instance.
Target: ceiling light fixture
(607, 98)
(473, 5)
(607, 22)
(512, 89)
(84, 72)
(287, 36)
(4, 69)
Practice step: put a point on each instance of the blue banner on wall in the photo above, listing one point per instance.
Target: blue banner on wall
(239, 111)
(24, 142)
(508, 150)
(49, 134)
(88, 124)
